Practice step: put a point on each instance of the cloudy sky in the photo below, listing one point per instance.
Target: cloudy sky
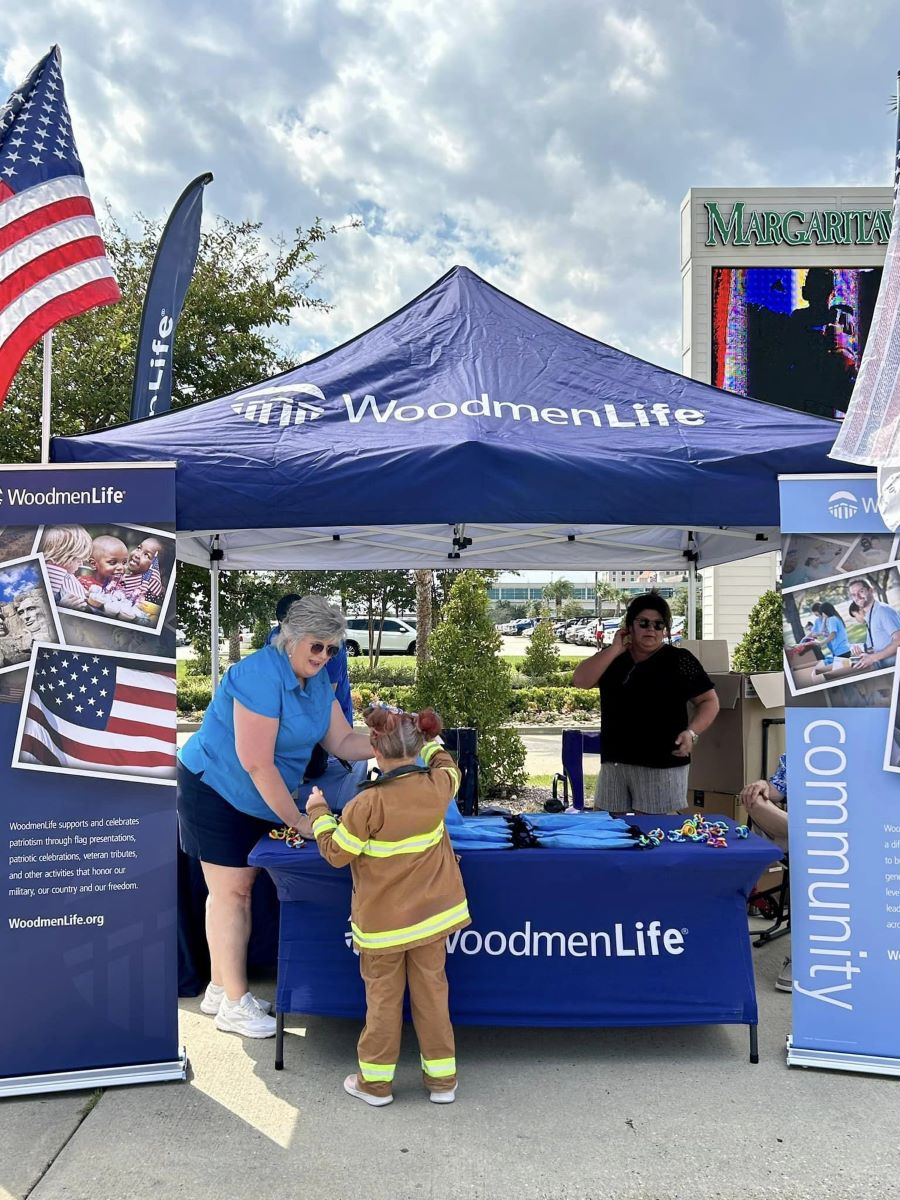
(545, 144)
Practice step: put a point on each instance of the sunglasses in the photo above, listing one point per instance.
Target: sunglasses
(330, 648)
(644, 623)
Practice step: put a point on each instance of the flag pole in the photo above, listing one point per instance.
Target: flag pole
(45, 396)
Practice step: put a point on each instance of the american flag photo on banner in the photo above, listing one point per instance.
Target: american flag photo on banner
(53, 262)
(98, 713)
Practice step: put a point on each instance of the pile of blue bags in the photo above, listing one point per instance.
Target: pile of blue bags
(597, 831)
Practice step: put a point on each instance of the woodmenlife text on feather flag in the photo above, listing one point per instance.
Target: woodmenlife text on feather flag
(53, 262)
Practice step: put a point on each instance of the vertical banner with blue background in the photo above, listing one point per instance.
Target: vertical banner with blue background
(87, 777)
(170, 277)
(841, 590)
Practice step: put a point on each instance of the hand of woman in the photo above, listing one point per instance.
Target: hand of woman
(621, 641)
(753, 793)
(684, 744)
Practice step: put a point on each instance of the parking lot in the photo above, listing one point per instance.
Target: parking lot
(519, 645)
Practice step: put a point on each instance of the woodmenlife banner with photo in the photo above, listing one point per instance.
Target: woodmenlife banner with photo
(88, 933)
(841, 591)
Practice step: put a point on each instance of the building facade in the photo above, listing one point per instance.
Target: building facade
(778, 289)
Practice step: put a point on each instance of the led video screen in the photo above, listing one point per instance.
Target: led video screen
(792, 336)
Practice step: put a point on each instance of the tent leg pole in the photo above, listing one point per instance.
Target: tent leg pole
(214, 612)
(692, 600)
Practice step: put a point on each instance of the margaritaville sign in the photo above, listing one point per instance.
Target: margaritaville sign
(822, 227)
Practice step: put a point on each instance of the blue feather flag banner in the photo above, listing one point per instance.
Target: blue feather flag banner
(173, 269)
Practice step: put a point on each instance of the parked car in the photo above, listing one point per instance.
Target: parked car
(586, 633)
(518, 627)
(397, 636)
(573, 633)
(560, 627)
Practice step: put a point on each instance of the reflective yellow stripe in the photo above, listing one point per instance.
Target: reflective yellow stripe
(377, 1072)
(429, 751)
(347, 841)
(396, 937)
(409, 845)
(456, 776)
(321, 824)
(439, 1068)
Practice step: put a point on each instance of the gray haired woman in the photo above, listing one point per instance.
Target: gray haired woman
(236, 777)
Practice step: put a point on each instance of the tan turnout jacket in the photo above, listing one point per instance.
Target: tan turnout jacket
(407, 888)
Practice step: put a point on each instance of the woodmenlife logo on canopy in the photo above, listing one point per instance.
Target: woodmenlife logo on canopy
(281, 406)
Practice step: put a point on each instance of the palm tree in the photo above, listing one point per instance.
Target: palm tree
(557, 591)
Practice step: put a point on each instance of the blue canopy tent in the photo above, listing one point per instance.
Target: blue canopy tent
(469, 430)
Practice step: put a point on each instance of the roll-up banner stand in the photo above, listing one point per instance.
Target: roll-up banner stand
(87, 777)
(841, 591)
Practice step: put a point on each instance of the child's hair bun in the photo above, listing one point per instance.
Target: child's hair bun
(380, 720)
(429, 723)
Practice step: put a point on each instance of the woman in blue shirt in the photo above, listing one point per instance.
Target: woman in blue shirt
(235, 779)
(834, 634)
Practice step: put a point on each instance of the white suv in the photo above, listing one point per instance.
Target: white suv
(397, 636)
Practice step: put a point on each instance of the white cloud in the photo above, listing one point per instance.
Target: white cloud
(546, 146)
(642, 61)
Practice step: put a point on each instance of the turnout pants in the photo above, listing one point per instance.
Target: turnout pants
(386, 976)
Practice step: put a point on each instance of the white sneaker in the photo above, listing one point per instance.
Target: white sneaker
(442, 1097)
(214, 995)
(351, 1089)
(784, 981)
(245, 1017)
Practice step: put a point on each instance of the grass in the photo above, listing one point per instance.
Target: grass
(590, 782)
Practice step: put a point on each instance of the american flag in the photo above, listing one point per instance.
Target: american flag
(53, 263)
(148, 585)
(100, 714)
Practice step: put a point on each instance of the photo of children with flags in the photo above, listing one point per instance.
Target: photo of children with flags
(119, 574)
(98, 713)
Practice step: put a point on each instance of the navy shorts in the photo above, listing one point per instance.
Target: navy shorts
(210, 828)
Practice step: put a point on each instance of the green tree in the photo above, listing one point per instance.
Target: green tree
(557, 591)
(242, 288)
(542, 655)
(679, 605)
(245, 598)
(469, 684)
(611, 596)
(505, 610)
(761, 647)
(570, 609)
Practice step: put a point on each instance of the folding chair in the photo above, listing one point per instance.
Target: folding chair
(777, 897)
(463, 745)
(575, 744)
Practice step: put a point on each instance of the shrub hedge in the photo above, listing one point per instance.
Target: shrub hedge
(553, 696)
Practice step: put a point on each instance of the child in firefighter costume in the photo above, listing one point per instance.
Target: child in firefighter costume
(408, 896)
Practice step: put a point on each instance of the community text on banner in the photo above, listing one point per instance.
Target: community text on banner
(841, 590)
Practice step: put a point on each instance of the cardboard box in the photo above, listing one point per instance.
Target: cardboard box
(713, 654)
(722, 804)
(729, 754)
(770, 878)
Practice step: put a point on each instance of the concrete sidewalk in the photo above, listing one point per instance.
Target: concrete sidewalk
(637, 1114)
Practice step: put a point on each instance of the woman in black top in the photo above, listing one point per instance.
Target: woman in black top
(645, 685)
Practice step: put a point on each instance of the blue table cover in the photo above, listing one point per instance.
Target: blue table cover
(559, 937)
